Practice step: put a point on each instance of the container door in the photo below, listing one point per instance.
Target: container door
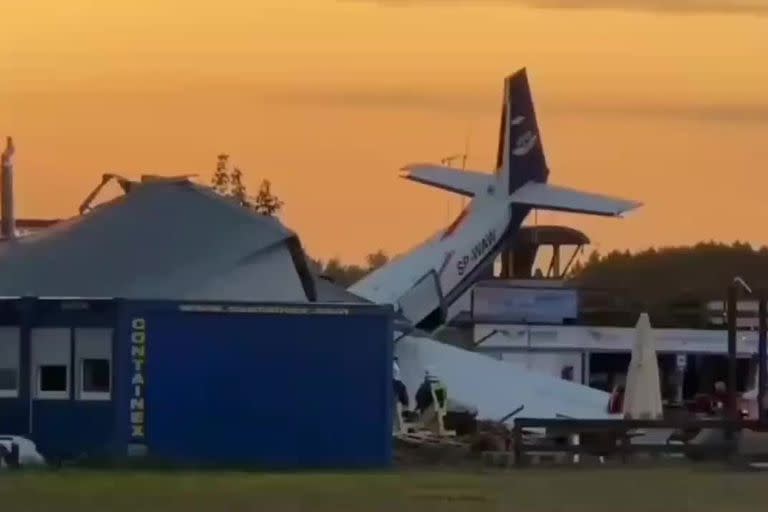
(13, 406)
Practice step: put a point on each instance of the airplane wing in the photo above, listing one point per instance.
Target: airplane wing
(551, 197)
(466, 183)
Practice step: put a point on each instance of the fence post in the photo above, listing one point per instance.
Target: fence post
(518, 447)
(731, 409)
(762, 350)
(15, 456)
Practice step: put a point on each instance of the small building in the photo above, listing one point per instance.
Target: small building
(244, 359)
(544, 322)
(274, 385)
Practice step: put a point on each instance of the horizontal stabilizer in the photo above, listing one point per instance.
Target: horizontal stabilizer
(551, 197)
(466, 183)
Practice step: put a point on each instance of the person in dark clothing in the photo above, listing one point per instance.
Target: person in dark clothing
(720, 397)
(616, 400)
(424, 393)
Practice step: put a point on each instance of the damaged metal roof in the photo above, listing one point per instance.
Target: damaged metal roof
(163, 239)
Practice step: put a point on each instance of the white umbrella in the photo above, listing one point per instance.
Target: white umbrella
(642, 396)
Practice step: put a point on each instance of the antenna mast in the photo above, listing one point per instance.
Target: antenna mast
(448, 161)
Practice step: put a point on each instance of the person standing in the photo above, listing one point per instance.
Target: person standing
(424, 393)
(401, 392)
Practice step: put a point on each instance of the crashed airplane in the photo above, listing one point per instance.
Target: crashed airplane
(423, 283)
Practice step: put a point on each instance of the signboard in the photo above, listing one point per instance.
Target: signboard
(507, 304)
(138, 416)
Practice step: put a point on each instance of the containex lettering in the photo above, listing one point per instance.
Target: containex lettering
(138, 381)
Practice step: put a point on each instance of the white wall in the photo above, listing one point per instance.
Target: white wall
(608, 339)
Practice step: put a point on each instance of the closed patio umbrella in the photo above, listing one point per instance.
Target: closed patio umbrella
(642, 398)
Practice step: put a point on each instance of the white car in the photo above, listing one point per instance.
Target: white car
(27, 452)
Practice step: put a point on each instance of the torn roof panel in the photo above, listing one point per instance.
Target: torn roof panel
(174, 233)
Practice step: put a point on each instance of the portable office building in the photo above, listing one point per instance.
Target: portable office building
(269, 385)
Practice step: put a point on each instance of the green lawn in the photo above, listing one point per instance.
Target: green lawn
(621, 490)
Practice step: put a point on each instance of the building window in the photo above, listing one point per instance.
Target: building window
(95, 376)
(93, 353)
(9, 382)
(10, 344)
(53, 378)
(51, 353)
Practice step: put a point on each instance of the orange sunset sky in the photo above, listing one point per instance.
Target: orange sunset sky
(661, 101)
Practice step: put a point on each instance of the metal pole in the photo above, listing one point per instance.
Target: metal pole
(7, 219)
(732, 368)
(762, 354)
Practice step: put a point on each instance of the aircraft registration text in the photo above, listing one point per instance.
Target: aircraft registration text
(479, 249)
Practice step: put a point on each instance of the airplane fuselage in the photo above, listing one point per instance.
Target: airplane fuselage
(423, 282)
(453, 254)
(434, 274)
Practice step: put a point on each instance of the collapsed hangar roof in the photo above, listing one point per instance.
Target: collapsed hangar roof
(162, 239)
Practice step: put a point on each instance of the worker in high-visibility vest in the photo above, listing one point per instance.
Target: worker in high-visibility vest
(424, 393)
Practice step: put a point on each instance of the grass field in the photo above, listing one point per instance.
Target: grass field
(621, 490)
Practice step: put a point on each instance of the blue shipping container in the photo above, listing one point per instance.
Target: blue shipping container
(268, 385)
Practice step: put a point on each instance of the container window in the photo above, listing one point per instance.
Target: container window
(53, 378)
(10, 342)
(93, 353)
(9, 382)
(51, 353)
(95, 376)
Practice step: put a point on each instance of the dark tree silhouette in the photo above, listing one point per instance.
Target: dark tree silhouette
(230, 184)
(266, 202)
(346, 275)
(669, 274)
(376, 259)
(220, 180)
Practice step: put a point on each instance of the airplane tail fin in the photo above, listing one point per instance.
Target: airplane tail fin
(521, 169)
(520, 158)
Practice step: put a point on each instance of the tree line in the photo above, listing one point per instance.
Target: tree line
(661, 276)
(652, 278)
(228, 181)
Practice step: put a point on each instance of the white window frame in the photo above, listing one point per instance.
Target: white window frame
(7, 335)
(102, 339)
(82, 394)
(49, 335)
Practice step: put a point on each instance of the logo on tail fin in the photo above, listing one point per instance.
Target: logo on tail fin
(521, 156)
(524, 144)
